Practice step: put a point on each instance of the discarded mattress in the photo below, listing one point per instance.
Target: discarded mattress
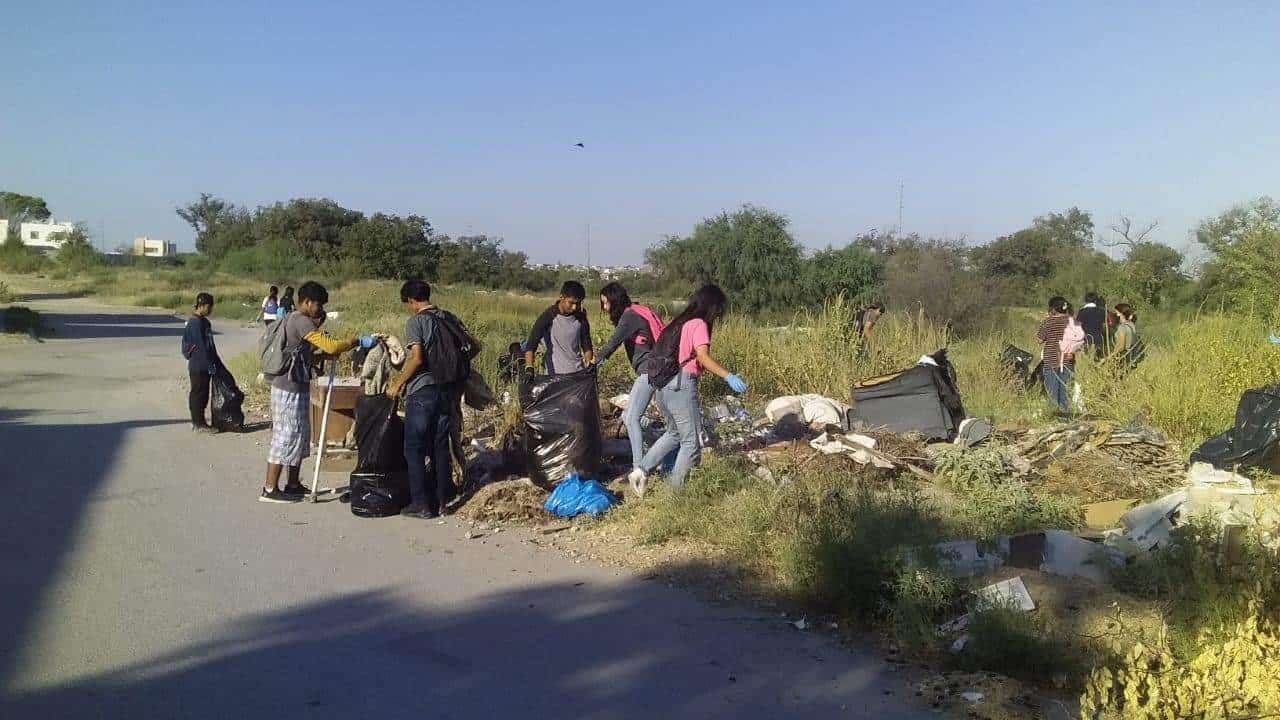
(1254, 440)
(921, 399)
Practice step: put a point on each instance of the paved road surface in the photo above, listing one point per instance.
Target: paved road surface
(141, 579)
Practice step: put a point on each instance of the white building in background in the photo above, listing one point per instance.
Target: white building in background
(39, 235)
(151, 247)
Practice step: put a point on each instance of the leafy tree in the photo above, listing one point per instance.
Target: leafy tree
(388, 246)
(513, 269)
(1257, 216)
(749, 253)
(220, 226)
(314, 228)
(1071, 227)
(853, 271)
(1245, 242)
(76, 251)
(474, 259)
(18, 208)
(1151, 270)
(1026, 255)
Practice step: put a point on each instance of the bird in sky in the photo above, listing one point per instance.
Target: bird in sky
(580, 145)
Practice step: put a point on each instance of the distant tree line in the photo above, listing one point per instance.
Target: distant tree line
(751, 253)
(753, 256)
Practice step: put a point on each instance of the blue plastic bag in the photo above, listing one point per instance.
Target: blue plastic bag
(574, 496)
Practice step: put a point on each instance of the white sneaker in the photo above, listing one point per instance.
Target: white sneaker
(639, 481)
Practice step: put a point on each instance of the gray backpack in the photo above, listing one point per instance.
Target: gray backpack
(271, 350)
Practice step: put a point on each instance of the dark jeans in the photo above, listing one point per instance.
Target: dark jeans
(1057, 384)
(198, 399)
(428, 417)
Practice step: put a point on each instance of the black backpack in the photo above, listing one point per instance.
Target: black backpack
(661, 367)
(451, 349)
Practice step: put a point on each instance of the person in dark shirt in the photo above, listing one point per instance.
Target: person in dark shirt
(202, 360)
(564, 332)
(1093, 319)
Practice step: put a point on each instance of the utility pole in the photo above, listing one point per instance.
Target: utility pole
(588, 246)
(900, 188)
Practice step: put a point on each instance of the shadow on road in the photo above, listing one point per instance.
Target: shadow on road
(39, 296)
(88, 326)
(548, 651)
(48, 475)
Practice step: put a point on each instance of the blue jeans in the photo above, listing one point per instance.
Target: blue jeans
(678, 402)
(641, 394)
(1057, 384)
(428, 417)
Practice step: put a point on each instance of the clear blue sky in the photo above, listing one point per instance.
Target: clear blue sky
(465, 112)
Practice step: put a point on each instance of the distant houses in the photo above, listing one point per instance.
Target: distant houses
(45, 236)
(150, 247)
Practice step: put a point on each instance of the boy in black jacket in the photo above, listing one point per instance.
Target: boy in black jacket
(202, 360)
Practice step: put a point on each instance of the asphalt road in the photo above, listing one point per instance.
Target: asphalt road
(142, 579)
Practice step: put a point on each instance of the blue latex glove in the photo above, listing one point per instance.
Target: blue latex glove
(368, 341)
(736, 384)
(1273, 339)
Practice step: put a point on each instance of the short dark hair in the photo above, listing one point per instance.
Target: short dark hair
(1125, 311)
(1057, 303)
(203, 299)
(313, 291)
(1092, 297)
(879, 306)
(415, 290)
(573, 289)
(273, 290)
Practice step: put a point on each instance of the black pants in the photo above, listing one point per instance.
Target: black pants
(198, 400)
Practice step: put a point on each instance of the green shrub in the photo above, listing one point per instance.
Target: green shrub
(1019, 644)
(988, 501)
(845, 547)
(21, 320)
(18, 258)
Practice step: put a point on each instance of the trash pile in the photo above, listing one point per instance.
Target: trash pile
(1100, 460)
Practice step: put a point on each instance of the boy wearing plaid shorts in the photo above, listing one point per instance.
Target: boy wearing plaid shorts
(291, 391)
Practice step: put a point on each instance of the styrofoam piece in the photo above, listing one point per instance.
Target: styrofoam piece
(1006, 593)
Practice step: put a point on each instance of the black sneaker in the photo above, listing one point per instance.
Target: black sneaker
(275, 496)
(419, 511)
(296, 490)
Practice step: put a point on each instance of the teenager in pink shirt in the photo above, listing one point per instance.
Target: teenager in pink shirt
(688, 340)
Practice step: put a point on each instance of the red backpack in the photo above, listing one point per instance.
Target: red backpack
(656, 325)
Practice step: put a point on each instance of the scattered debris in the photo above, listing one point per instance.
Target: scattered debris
(506, 500)
(801, 624)
(1011, 592)
(1106, 515)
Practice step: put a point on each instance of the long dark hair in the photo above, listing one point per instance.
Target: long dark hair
(618, 299)
(706, 304)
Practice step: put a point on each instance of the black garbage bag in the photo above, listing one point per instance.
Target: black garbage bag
(1254, 441)
(561, 419)
(226, 412)
(380, 483)
(1019, 364)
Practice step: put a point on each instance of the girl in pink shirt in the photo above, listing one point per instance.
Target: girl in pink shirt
(688, 340)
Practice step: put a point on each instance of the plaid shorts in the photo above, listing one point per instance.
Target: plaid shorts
(290, 427)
